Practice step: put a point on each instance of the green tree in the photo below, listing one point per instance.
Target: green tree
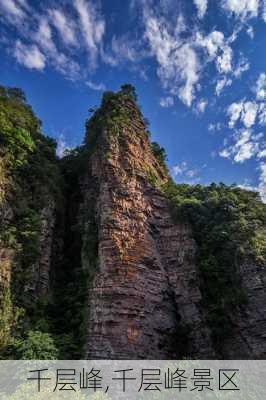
(129, 90)
(36, 346)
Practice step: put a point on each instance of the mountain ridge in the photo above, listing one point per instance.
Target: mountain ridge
(108, 258)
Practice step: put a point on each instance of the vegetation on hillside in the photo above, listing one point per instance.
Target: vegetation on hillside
(31, 182)
(229, 226)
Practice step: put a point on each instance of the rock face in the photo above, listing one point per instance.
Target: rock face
(39, 284)
(145, 299)
(249, 335)
(143, 291)
(145, 295)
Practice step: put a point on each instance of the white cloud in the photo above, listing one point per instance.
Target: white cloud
(245, 147)
(262, 154)
(224, 61)
(44, 35)
(250, 32)
(166, 102)
(191, 173)
(29, 55)
(201, 105)
(64, 26)
(242, 9)
(211, 42)
(249, 113)
(179, 169)
(182, 171)
(218, 50)
(262, 181)
(242, 66)
(179, 67)
(122, 49)
(262, 114)
(261, 188)
(221, 84)
(260, 88)
(244, 111)
(13, 10)
(63, 64)
(234, 112)
(62, 146)
(225, 153)
(187, 65)
(264, 10)
(92, 26)
(96, 86)
(201, 7)
(214, 127)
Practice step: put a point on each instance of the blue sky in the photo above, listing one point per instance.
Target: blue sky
(199, 67)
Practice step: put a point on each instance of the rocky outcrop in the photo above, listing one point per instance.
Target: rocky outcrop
(98, 242)
(248, 339)
(39, 283)
(145, 299)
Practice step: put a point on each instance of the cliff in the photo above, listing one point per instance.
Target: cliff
(132, 265)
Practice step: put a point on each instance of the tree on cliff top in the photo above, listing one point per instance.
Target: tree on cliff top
(129, 90)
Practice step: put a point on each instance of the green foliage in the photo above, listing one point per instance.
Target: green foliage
(18, 126)
(117, 110)
(160, 154)
(31, 183)
(129, 90)
(36, 346)
(9, 315)
(229, 225)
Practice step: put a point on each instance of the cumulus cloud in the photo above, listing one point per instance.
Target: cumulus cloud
(14, 10)
(244, 111)
(214, 127)
(179, 169)
(262, 181)
(262, 114)
(63, 64)
(179, 67)
(224, 61)
(64, 25)
(201, 105)
(250, 32)
(245, 147)
(92, 26)
(260, 88)
(61, 146)
(184, 172)
(29, 55)
(264, 10)
(261, 188)
(221, 84)
(243, 9)
(218, 49)
(96, 86)
(201, 7)
(261, 154)
(234, 112)
(122, 49)
(166, 102)
(242, 66)
(249, 113)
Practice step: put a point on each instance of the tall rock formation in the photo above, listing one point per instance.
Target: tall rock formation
(29, 192)
(145, 294)
(114, 260)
